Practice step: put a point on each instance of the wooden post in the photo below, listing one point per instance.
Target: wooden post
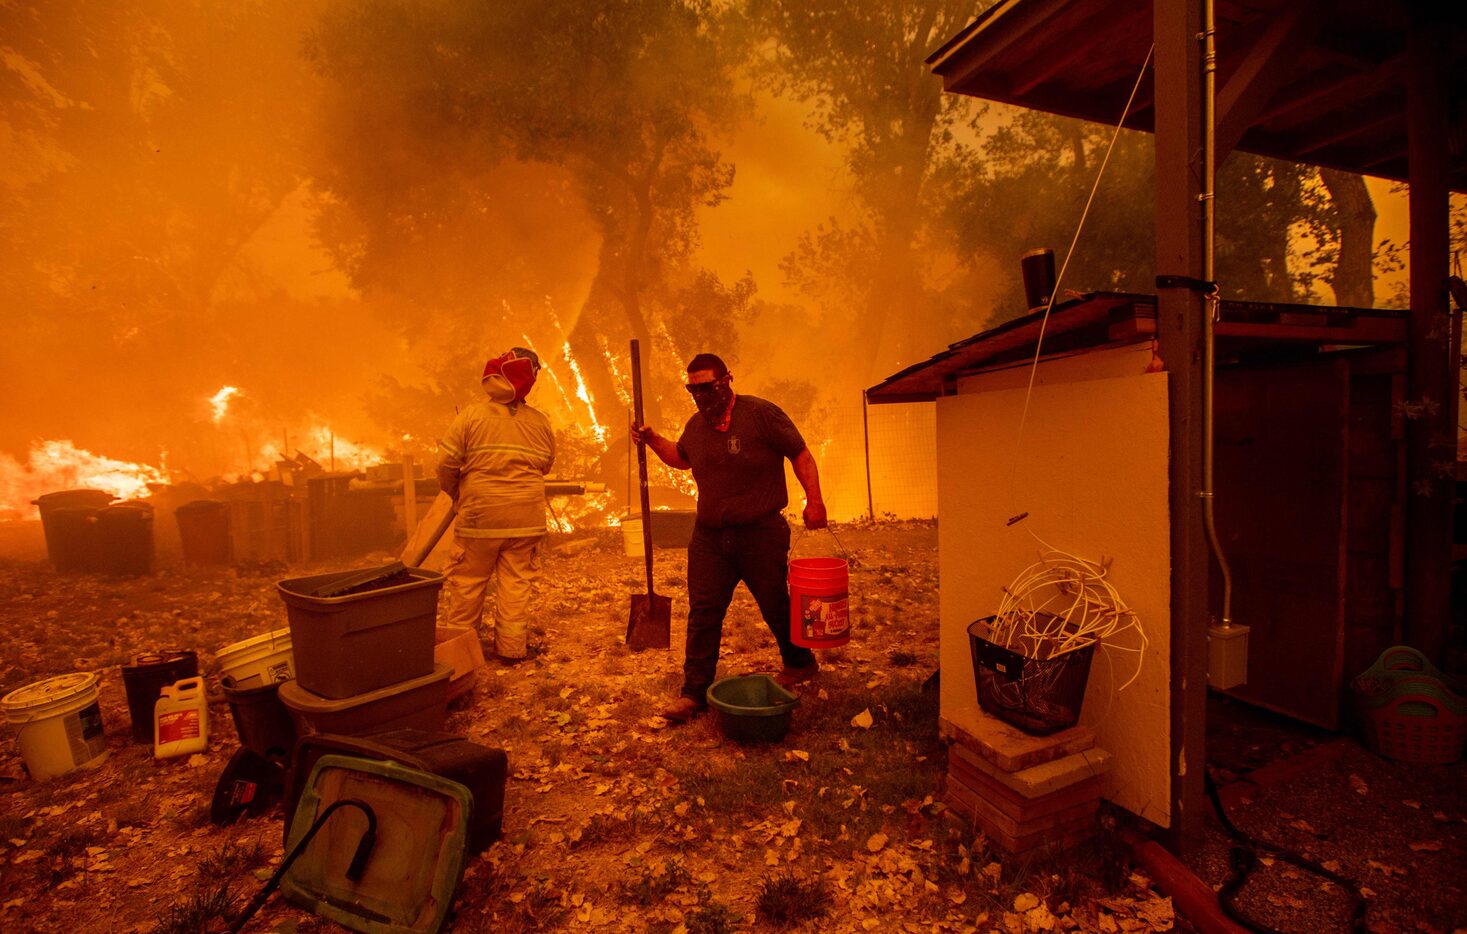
(1179, 310)
(1430, 436)
(409, 495)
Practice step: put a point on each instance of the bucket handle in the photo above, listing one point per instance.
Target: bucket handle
(841, 548)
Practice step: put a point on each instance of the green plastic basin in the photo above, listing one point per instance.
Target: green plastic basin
(752, 708)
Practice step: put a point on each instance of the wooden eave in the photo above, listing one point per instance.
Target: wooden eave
(1321, 82)
(1100, 319)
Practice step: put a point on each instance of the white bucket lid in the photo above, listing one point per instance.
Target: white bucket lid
(57, 690)
(277, 640)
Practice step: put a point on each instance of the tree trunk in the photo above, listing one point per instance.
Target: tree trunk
(1353, 279)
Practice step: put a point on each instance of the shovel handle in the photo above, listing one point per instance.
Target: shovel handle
(642, 463)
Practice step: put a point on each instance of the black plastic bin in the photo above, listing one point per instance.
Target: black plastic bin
(125, 539)
(1025, 685)
(203, 532)
(68, 519)
(262, 720)
(144, 681)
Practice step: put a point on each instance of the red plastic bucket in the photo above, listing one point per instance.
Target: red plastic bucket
(820, 616)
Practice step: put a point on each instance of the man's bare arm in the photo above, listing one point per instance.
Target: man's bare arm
(662, 447)
(809, 477)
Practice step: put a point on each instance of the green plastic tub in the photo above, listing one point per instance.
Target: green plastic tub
(752, 708)
(416, 862)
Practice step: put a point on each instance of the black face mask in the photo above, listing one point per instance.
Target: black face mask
(713, 403)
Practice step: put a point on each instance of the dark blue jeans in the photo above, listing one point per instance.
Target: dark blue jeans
(717, 560)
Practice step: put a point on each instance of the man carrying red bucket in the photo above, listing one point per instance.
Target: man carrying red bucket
(736, 447)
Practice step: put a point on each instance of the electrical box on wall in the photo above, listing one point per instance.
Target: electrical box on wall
(1227, 656)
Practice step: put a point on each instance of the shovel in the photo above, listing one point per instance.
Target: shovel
(650, 626)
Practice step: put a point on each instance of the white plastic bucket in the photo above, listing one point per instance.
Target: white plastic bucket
(631, 535)
(59, 724)
(258, 661)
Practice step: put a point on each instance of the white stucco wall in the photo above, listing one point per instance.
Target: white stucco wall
(1091, 472)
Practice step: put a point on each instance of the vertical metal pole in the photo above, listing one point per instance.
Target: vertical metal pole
(1210, 314)
(1179, 325)
(866, 443)
(1430, 437)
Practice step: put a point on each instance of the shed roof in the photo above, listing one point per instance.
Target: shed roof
(1321, 82)
(1098, 319)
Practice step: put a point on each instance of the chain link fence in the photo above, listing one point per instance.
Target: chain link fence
(880, 461)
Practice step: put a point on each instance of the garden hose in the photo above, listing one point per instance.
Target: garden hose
(354, 871)
(1243, 859)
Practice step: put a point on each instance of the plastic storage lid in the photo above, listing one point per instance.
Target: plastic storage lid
(280, 637)
(300, 591)
(94, 498)
(51, 691)
(298, 698)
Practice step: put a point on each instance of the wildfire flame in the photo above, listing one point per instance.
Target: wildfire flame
(53, 466)
(220, 402)
(584, 394)
(322, 445)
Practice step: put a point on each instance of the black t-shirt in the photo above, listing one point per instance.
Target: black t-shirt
(740, 472)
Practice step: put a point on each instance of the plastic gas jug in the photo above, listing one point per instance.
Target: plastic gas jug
(181, 719)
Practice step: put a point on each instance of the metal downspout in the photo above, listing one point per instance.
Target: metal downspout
(1209, 325)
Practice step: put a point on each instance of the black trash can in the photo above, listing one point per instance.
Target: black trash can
(68, 519)
(203, 529)
(125, 539)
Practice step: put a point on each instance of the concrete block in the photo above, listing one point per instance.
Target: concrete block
(993, 813)
(1058, 835)
(1017, 806)
(1042, 779)
(1006, 747)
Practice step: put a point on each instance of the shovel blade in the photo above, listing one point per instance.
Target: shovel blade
(650, 626)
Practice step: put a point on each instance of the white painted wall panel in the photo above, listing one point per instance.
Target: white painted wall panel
(1092, 475)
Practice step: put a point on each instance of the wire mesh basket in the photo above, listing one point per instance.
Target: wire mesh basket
(1026, 683)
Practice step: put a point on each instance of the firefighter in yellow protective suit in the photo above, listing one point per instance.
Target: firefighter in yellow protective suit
(494, 460)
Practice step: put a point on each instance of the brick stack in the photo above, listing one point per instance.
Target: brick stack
(1027, 793)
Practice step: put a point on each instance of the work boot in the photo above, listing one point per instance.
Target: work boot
(682, 710)
(789, 677)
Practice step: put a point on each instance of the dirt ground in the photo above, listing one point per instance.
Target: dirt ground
(615, 821)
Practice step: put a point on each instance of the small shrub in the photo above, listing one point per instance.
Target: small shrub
(66, 850)
(656, 883)
(542, 908)
(73, 841)
(194, 913)
(788, 898)
(230, 860)
(710, 917)
(601, 828)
